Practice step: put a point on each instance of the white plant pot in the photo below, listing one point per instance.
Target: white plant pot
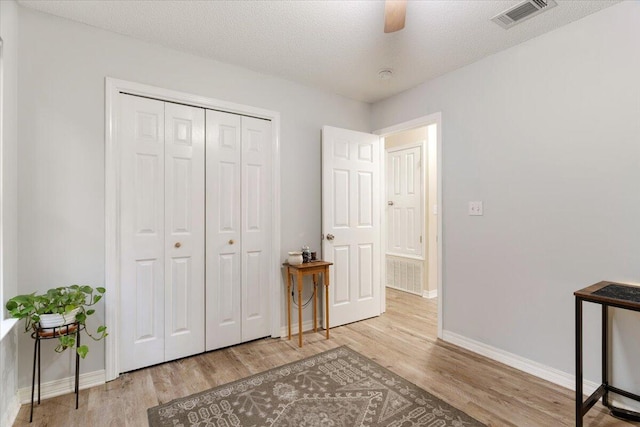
(295, 258)
(48, 321)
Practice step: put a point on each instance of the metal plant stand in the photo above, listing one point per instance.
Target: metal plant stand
(50, 333)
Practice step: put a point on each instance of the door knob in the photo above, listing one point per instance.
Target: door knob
(231, 242)
(177, 245)
(390, 203)
(330, 236)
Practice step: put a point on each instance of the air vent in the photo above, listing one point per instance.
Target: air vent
(523, 11)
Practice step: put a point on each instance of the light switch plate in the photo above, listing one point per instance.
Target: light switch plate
(475, 208)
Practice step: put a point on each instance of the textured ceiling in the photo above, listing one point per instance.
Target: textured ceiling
(338, 46)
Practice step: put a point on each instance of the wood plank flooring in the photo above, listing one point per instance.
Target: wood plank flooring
(403, 340)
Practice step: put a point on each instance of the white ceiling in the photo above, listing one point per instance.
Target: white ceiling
(338, 46)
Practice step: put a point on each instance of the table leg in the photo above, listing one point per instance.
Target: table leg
(605, 354)
(578, 325)
(325, 278)
(77, 384)
(299, 309)
(289, 296)
(33, 374)
(315, 302)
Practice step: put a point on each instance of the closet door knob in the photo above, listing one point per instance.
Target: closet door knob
(231, 242)
(178, 244)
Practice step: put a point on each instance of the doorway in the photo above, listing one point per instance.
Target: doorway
(431, 260)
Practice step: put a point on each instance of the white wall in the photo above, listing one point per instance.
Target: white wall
(546, 134)
(61, 204)
(9, 206)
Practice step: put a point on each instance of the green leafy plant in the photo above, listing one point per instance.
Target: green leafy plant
(62, 300)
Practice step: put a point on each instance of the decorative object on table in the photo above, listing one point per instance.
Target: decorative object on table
(339, 387)
(314, 256)
(306, 254)
(66, 305)
(295, 258)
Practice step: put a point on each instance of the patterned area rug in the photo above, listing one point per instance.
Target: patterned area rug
(338, 388)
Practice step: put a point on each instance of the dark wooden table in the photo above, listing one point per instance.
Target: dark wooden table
(313, 268)
(607, 294)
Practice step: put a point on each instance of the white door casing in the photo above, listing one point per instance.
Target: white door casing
(351, 214)
(142, 232)
(405, 201)
(184, 231)
(224, 230)
(434, 136)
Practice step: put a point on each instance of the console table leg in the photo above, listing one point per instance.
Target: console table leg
(578, 333)
(299, 308)
(315, 302)
(325, 279)
(605, 354)
(289, 296)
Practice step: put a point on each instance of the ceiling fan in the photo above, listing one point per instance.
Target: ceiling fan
(394, 13)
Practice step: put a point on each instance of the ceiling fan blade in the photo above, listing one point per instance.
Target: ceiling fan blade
(395, 12)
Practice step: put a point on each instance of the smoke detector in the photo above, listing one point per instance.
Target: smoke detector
(385, 74)
(522, 11)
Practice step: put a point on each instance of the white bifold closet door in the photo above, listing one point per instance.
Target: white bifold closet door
(238, 243)
(162, 231)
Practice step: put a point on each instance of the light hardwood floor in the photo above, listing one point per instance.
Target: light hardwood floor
(403, 340)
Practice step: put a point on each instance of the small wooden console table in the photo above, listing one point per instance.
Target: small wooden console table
(313, 268)
(607, 294)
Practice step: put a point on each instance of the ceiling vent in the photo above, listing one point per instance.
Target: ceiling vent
(522, 11)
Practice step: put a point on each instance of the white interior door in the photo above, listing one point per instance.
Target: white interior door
(351, 223)
(404, 201)
(141, 135)
(224, 230)
(184, 231)
(256, 227)
(238, 228)
(162, 231)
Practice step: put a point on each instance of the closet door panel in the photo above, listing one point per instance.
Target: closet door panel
(141, 138)
(184, 224)
(256, 227)
(224, 232)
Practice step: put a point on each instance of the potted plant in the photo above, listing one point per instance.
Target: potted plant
(47, 313)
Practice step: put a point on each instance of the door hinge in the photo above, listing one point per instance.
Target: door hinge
(420, 239)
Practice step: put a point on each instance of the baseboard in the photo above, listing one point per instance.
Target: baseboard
(430, 294)
(403, 290)
(539, 370)
(306, 326)
(9, 417)
(64, 386)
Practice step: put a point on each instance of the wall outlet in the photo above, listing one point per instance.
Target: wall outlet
(475, 208)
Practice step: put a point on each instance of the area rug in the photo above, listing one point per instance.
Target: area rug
(337, 388)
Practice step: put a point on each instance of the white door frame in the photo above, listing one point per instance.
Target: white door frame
(435, 118)
(112, 196)
(423, 190)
